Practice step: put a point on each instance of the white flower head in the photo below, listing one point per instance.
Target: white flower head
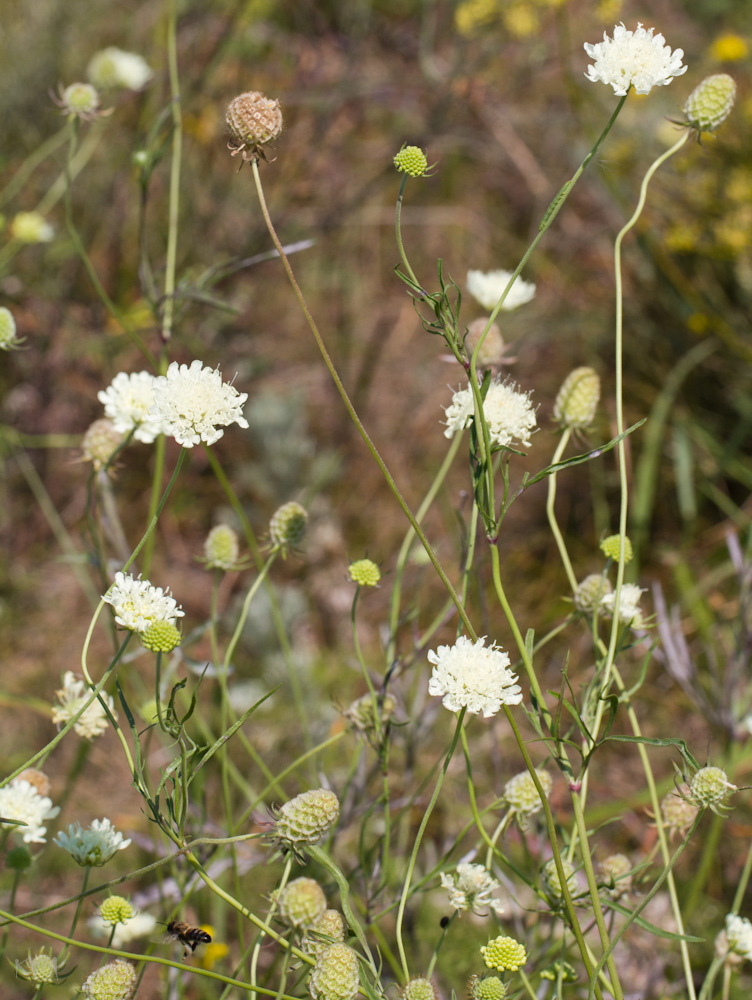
(140, 925)
(93, 847)
(111, 67)
(194, 402)
(630, 612)
(22, 801)
(471, 676)
(72, 696)
(470, 888)
(31, 227)
(138, 604)
(636, 59)
(739, 935)
(487, 287)
(510, 414)
(128, 401)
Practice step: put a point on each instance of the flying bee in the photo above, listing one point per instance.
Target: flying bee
(189, 937)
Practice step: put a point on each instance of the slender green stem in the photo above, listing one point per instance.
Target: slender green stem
(177, 149)
(253, 590)
(31, 163)
(269, 917)
(351, 409)
(398, 231)
(551, 512)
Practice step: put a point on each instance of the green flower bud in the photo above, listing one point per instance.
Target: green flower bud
(488, 988)
(365, 573)
(115, 910)
(161, 637)
(504, 953)
(411, 160)
(710, 103)
(610, 548)
(577, 400)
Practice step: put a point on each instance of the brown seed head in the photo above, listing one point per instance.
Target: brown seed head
(253, 121)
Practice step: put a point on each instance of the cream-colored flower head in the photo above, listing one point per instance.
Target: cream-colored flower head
(114, 981)
(635, 59)
(510, 414)
(72, 696)
(630, 612)
(470, 888)
(20, 801)
(100, 442)
(739, 935)
(473, 676)
(139, 925)
(522, 796)
(128, 402)
(111, 67)
(137, 604)
(487, 287)
(552, 883)
(193, 402)
(31, 227)
(8, 339)
(94, 846)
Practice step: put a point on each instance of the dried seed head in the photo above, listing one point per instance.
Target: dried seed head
(288, 526)
(100, 443)
(552, 883)
(577, 399)
(361, 711)
(306, 818)
(522, 796)
(336, 975)
(710, 103)
(710, 787)
(614, 871)
(301, 903)
(253, 120)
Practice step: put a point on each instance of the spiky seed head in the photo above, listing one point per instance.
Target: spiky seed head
(306, 818)
(412, 161)
(115, 981)
(161, 637)
(288, 526)
(710, 103)
(678, 814)
(115, 910)
(361, 712)
(504, 954)
(590, 592)
(336, 975)
(39, 968)
(577, 400)
(100, 443)
(485, 988)
(327, 930)
(253, 121)
(710, 787)
(365, 573)
(301, 902)
(610, 548)
(419, 988)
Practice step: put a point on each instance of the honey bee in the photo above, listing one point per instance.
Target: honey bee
(189, 937)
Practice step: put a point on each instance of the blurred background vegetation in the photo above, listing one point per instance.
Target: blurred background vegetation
(494, 91)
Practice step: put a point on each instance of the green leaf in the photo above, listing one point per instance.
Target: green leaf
(652, 929)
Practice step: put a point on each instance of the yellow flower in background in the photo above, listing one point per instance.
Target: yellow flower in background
(472, 14)
(609, 10)
(521, 20)
(729, 48)
(213, 952)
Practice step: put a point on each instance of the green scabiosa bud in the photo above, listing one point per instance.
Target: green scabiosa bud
(412, 161)
(568, 972)
(18, 859)
(551, 882)
(504, 954)
(306, 818)
(116, 981)
(161, 637)
(221, 548)
(419, 988)
(578, 399)
(100, 443)
(39, 968)
(288, 526)
(327, 930)
(488, 988)
(336, 975)
(8, 339)
(253, 120)
(365, 573)
(710, 787)
(115, 910)
(610, 548)
(590, 592)
(301, 902)
(522, 796)
(710, 103)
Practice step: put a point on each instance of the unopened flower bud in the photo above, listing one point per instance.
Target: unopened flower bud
(18, 859)
(577, 400)
(590, 592)
(253, 120)
(568, 972)
(161, 637)
(710, 103)
(31, 227)
(411, 160)
(306, 818)
(336, 975)
(288, 526)
(8, 339)
(488, 988)
(710, 787)
(115, 910)
(610, 548)
(221, 548)
(301, 902)
(522, 796)
(100, 443)
(365, 573)
(115, 981)
(504, 953)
